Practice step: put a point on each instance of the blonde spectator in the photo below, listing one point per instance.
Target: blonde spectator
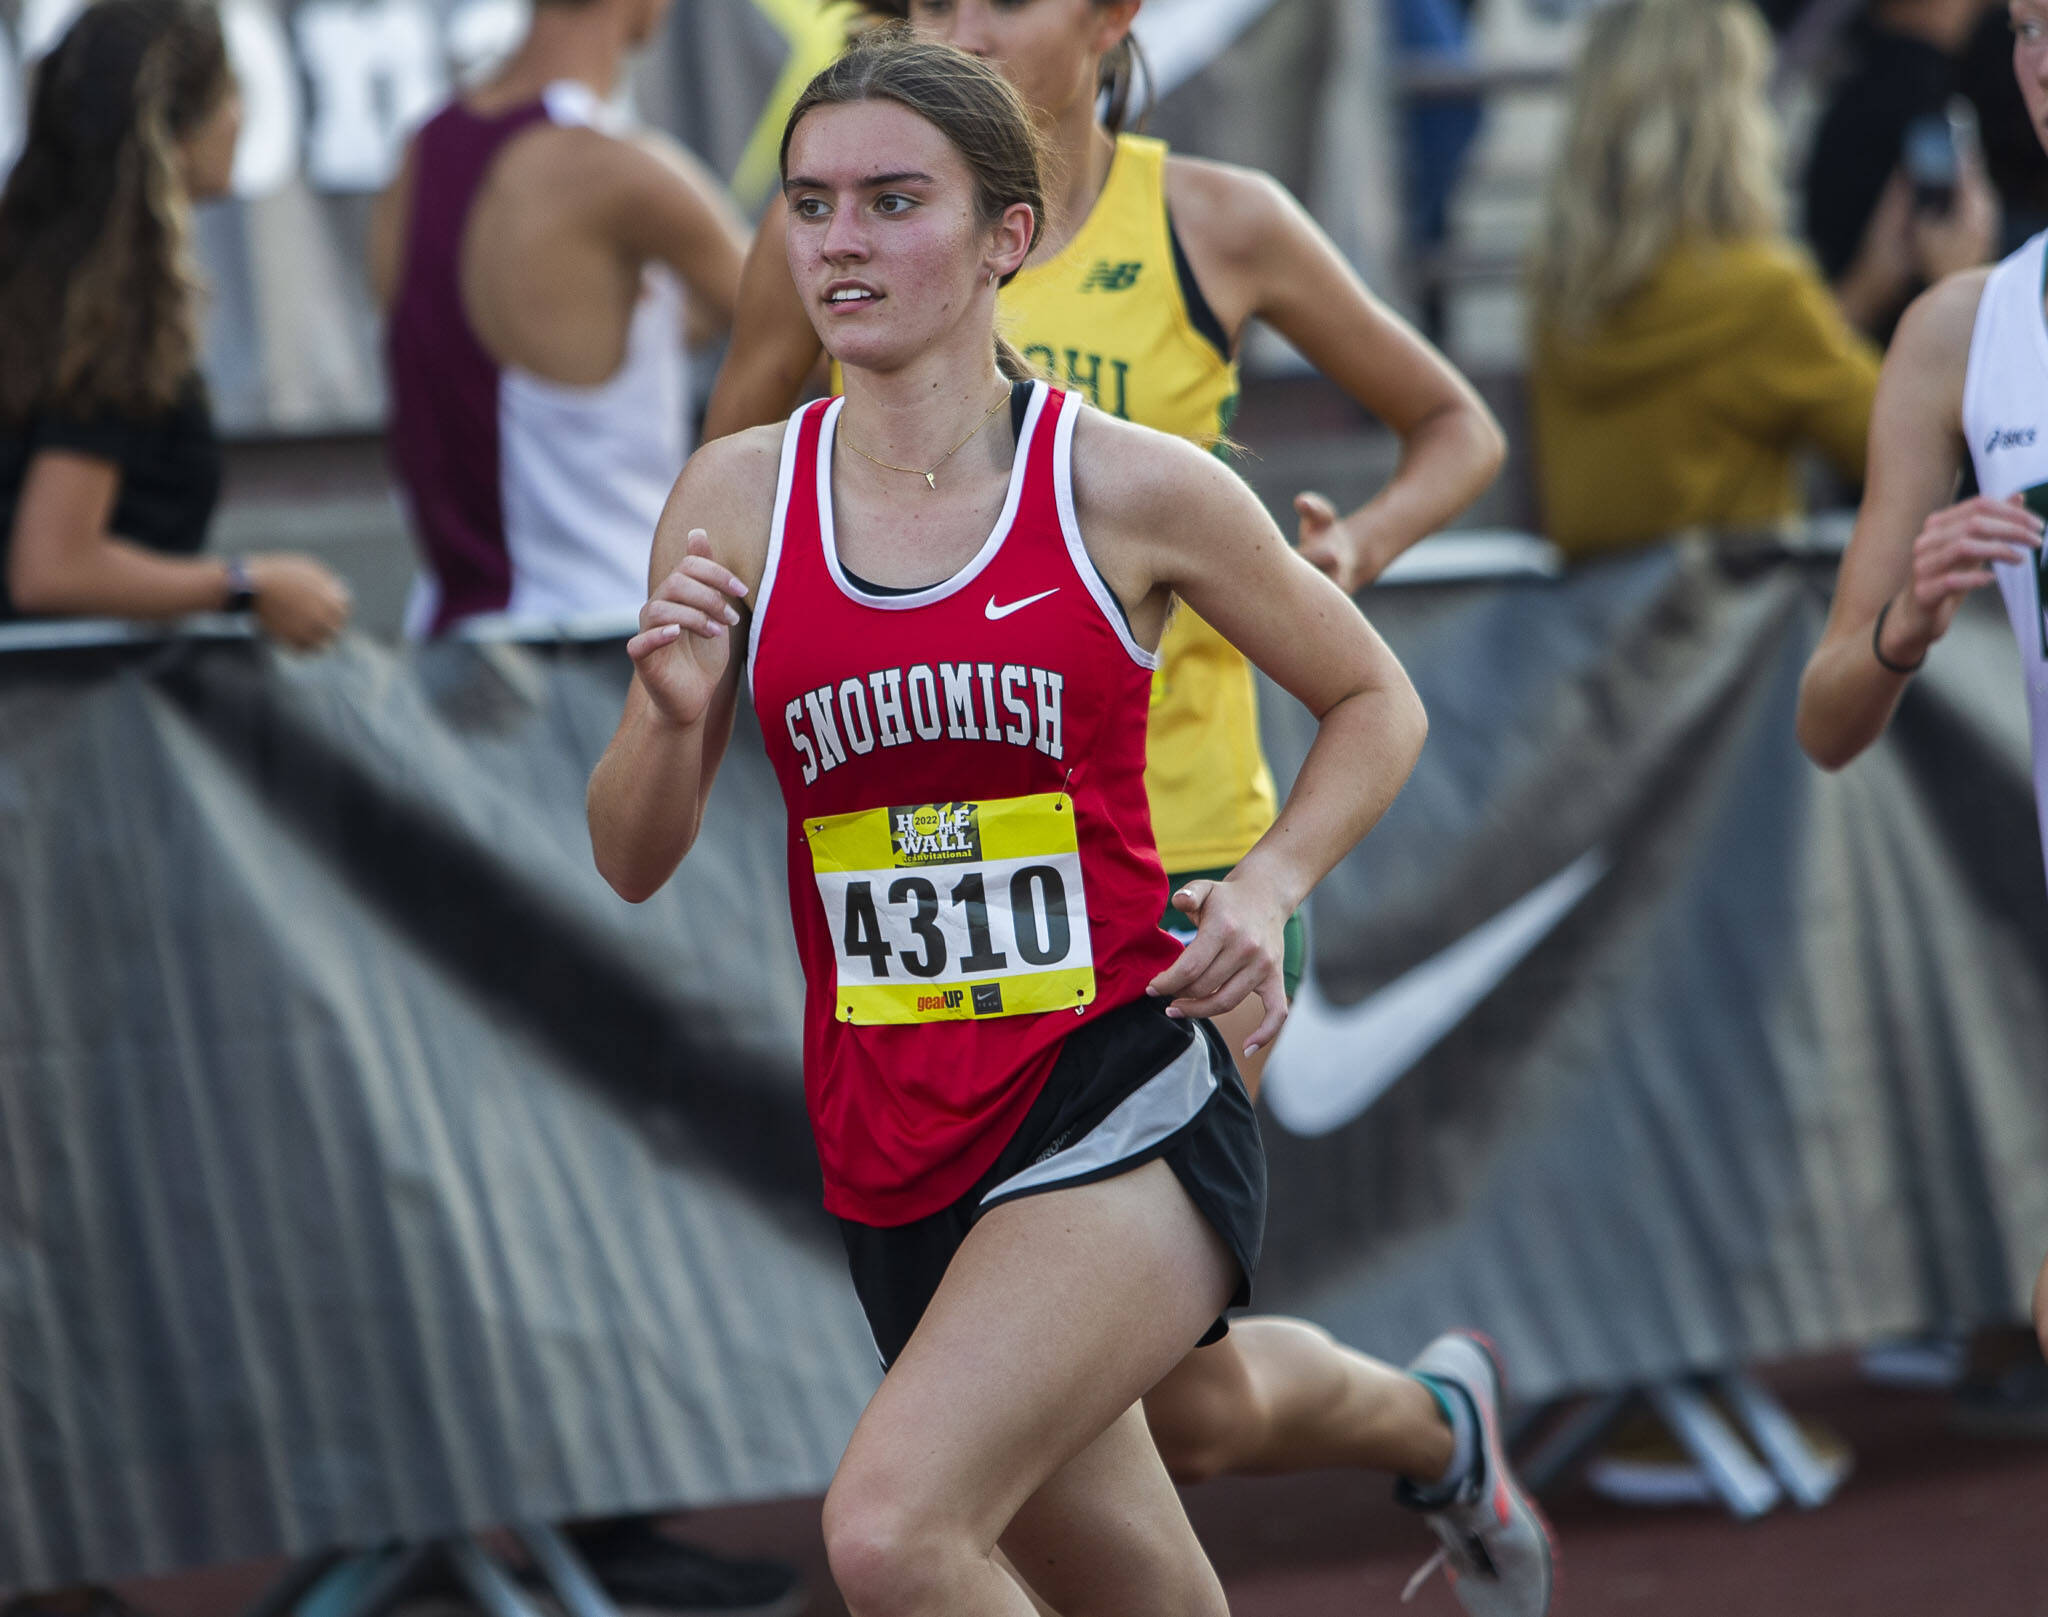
(1684, 350)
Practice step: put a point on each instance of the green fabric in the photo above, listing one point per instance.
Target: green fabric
(1294, 946)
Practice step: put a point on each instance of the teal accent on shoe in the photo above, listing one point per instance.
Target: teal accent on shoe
(1454, 1403)
(1441, 1393)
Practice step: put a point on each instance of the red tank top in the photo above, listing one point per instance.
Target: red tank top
(971, 868)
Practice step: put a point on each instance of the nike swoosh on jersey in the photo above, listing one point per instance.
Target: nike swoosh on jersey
(1334, 1062)
(993, 612)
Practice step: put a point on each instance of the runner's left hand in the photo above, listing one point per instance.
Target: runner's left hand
(1237, 950)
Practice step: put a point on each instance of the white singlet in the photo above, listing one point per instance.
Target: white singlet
(2005, 420)
(582, 472)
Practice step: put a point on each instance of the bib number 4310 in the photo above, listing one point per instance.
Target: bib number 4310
(947, 911)
(1038, 908)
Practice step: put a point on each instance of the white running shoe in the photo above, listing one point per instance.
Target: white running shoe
(1496, 1548)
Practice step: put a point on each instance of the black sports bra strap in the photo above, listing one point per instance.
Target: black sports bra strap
(1020, 404)
(1200, 314)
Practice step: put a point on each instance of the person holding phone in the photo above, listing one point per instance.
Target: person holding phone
(1965, 385)
(1895, 186)
(540, 259)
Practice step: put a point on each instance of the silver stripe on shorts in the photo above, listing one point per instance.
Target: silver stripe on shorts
(1159, 1107)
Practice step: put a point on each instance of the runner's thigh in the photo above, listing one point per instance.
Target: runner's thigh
(1108, 1535)
(1054, 1317)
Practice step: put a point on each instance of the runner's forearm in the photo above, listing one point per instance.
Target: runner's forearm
(1363, 753)
(1846, 697)
(646, 800)
(1446, 463)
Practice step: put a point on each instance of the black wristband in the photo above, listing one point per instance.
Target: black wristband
(241, 596)
(1877, 646)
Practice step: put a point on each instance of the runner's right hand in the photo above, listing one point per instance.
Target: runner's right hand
(1952, 556)
(684, 644)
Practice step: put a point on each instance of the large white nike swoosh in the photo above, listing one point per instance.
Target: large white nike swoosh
(1331, 1064)
(993, 612)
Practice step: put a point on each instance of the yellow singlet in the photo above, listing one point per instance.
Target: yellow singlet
(1108, 318)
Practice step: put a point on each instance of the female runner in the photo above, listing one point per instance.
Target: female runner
(1045, 1167)
(1136, 292)
(1144, 277)
(1967, 373)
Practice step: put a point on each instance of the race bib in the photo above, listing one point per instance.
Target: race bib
(944, 912)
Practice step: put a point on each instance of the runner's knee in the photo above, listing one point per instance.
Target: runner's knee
(888, 1558)
(1207, 1415)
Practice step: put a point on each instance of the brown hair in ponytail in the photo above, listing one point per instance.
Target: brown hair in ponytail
(1124, 70)
(97, 289)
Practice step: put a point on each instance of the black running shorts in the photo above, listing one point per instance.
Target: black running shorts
(1130, 1086)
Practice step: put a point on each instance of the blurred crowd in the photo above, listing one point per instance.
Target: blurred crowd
(1706, 315)
(1691, 341)
(1707, 319)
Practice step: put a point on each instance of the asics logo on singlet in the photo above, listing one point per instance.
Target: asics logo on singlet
(996, 613)
(1111, 277)
(2009, 438)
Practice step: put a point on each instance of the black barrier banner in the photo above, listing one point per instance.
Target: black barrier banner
(371, 1170)
(1638, 1040)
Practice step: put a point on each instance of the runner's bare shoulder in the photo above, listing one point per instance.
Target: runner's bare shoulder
(1232, 210)
(1932, 341)
(1148, 502)
(675, 160)
(1129, 473)
(570, 166)
(728, 490)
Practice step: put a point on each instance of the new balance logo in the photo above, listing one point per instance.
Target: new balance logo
(2009, 438)
(1108, 277)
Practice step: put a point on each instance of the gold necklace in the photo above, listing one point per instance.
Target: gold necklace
(930, 478)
